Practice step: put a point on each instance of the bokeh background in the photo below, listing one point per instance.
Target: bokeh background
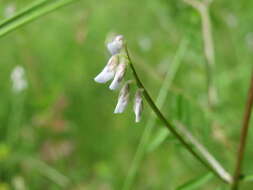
(58, 130)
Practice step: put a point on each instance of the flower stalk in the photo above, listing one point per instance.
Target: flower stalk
(168, 125)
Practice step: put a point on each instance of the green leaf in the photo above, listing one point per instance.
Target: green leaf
(32, 12)
(196, 183)
(248, 178)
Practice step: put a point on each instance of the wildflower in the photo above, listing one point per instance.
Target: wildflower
(138, 105)
(116, 45)
(109, 71)
(116, 69)
(19, 82)
(123, 98)
(119, 75)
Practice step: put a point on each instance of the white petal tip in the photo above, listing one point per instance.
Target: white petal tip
(104, 77)
(119, 109)
(117, 112)
(113, 86)
(98, 80)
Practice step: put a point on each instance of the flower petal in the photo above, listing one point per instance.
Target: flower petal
(109, 71)
(123, 99)
(121, 70)
(116, 45)
(104, 76)
(138, 105)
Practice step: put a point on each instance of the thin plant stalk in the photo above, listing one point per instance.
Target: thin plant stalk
(243, 138)
(31, 13)
(168, 125)
(208, 48)
(14, 125)
(151, 121)
(204, 152)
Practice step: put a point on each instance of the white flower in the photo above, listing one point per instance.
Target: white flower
(116, 45)
(138, 105)
(19, 82)
(120, 73)
(123, 98)
(109, 71)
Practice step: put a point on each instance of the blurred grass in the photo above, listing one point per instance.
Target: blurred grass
(67, 120)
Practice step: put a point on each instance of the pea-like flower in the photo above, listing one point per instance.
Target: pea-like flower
(116, 45)
(119, 75)
(138, 105)
(116, 70)
(109, 70)
(123, 99)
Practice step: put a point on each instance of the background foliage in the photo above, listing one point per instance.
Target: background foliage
(60, 132)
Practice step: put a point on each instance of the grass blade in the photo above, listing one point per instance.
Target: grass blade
(31, 13)
(159, 138)
(196, 183)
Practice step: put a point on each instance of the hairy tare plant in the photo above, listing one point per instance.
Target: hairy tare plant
(115, 70)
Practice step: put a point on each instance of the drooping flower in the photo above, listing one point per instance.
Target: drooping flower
(19, 82)
(115, 46)
(123, 98)
(138, 105)
(109, 70)
(119, 75)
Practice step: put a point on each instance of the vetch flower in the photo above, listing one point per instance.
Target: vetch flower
(123, 98)
(138, 105)
(116, 69)
(116, 45)
(119, 75)
(109, 71)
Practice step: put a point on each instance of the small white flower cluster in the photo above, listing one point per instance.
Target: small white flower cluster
(115, 70)
(19, 82)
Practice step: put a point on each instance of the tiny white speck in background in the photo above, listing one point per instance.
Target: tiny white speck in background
(18, 79)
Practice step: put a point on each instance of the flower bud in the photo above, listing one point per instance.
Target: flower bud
(109, 70)
(116, 45)
(123, 98)
(138, 105)
(120, 73)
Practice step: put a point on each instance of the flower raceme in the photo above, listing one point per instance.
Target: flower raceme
(115, 70)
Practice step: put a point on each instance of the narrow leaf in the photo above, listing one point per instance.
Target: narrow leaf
(196, 183)
(159, 138)
(31, 13)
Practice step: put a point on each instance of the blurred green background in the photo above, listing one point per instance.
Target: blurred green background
(59, 132)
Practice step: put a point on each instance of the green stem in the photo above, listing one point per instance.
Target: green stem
(31, 13)
(160, 100)
(167, 124)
